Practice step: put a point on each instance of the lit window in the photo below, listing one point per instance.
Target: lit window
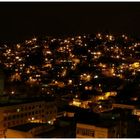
(18, 110)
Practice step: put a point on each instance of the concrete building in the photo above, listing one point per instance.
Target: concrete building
(19, 113)
(93, 131)
(94, 125)
(29, 130)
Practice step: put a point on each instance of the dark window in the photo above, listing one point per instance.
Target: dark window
(25, 107)
(9, 123)
(5, 118)
(9, 117)
(14, 116)
(13, 122)
(36, 112)
(5, 125)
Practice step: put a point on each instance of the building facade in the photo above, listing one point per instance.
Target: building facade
(92, 131)
(31, 112)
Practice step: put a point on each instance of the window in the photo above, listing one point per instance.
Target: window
(85, 132)
(17, 121)
(13, 122)
(33, 107)
(9, 123)
(5, 118)
(9, 117)
(14, 116)
(17, 116)
(5, 124)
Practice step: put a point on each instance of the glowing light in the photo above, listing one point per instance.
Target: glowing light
(18, 110)
(136, 65)
(12, 92)
(100, 106)
(70, 81)
(18, 46)
(33, 118)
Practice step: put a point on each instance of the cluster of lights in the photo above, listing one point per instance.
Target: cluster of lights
(62, 56)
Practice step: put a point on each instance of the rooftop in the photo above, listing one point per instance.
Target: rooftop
(10, 102)
(29, 126)
(95, 119)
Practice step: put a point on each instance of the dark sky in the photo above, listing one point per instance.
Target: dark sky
(21, 20)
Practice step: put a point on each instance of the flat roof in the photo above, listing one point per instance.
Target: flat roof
(16, 101)
(95, 119)
(29, 126)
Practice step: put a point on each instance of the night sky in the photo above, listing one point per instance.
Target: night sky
(19, 21)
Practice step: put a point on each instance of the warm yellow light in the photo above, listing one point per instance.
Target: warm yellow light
(136, 65)
(18, 46)
(70, 81)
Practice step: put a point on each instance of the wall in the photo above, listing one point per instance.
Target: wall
(17, 134)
